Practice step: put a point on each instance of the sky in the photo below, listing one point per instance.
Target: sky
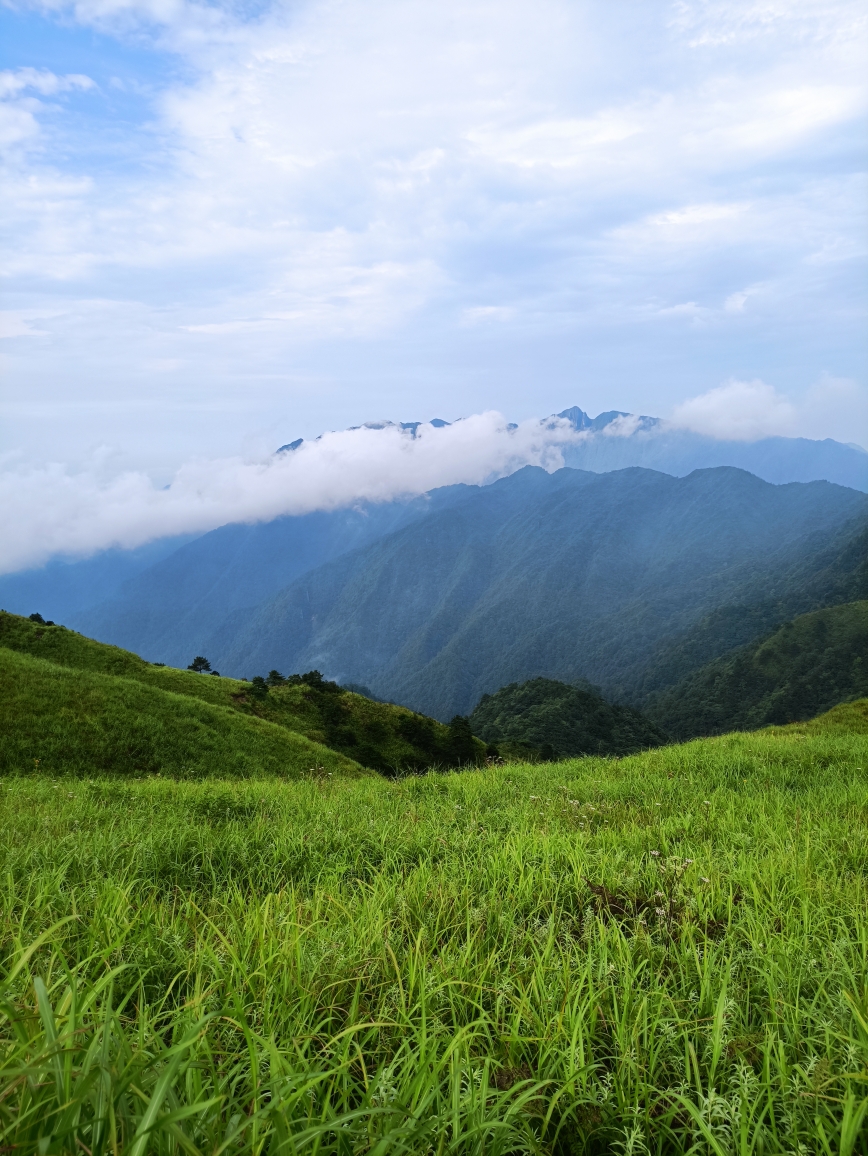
(229, 225)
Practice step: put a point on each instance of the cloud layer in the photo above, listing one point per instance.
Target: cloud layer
(49, 510)
(750, 410)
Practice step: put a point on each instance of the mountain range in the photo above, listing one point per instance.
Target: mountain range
(570, 575)
(617, 440)
(629, 577)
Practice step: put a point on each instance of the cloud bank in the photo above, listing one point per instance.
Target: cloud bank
(55, 510)
(49, 510)
(738, 411)
(749, 410)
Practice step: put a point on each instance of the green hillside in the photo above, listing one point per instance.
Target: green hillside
(377, 735)
(58, 721)
(560, 721)
(656, 955)
(828, 578)
(805, 667)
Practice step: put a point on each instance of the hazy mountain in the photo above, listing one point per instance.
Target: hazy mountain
(63, 588)
(571, 575)
(615, 441)
(187, 602)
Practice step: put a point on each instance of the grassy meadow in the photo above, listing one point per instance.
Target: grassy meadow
(666, 953)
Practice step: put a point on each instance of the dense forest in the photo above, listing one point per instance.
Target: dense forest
(543, 718)
(803, 668)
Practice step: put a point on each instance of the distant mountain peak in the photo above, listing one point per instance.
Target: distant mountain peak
(384, 423)
(289, 446)
(580, 420)
(577, 418)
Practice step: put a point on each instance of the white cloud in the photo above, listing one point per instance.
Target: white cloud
(49, 510)
(738, 411)
(832, 407)
(715, 23)
(15, 81)
(698, 214)
(20, 109)
(736, 302)
(559, 144)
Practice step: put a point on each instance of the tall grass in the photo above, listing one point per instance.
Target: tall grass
(662, 954)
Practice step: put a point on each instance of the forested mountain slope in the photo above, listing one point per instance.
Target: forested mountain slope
(805, 667)
(572, 575)
(186, 602)
(829, 576)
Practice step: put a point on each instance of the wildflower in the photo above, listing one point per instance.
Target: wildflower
(703, 879)
(687, 862)
(660, 910)
(656, 854)
(659, 895)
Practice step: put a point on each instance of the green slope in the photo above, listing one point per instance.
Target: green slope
(849, 718)
(805, 667)
(560, 721)
(375, 734)
(57, 720)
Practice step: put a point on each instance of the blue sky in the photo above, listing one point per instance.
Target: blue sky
(228, 226)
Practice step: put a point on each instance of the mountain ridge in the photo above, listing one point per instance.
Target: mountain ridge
(419, 610)
(175, 598)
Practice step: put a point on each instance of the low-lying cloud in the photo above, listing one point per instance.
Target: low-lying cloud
(48, 510)
(51, 510)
